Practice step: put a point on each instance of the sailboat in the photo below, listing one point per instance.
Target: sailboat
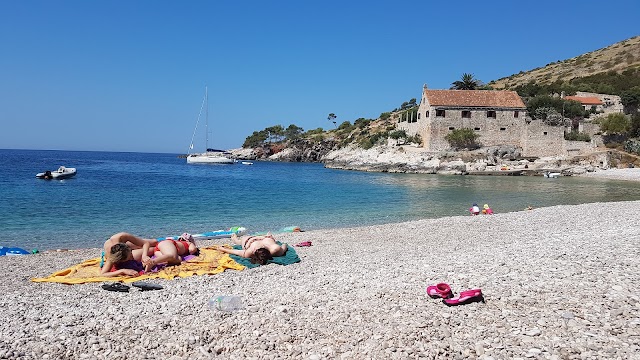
(210, 156)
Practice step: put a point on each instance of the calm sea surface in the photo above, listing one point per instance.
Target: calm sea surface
(155, 195)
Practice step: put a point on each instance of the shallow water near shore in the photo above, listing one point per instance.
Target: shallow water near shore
(155, 195)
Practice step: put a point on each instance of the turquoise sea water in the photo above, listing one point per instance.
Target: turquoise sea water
(154, 195)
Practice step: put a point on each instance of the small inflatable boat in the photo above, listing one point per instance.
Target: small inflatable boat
(61, 173)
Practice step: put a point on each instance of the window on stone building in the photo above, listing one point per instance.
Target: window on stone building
(476, 129)
(491, 114)
(466, 114)
(451, 128)
(516, 114)
(426, 114)
(544, 133)
(503, 129)
(439, 113)
(418, 116)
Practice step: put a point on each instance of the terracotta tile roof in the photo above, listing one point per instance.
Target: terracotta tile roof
(475, 98)
(585, 100)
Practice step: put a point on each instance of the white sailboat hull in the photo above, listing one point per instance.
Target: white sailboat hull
(209, 159)
(211, 156)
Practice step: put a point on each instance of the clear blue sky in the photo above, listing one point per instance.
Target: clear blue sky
(130, 75)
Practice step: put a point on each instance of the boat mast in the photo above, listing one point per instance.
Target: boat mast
(204, 100)
(206, 124)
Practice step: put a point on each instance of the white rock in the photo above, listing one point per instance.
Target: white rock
(533, 332)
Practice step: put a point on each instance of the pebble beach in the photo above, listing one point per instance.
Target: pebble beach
(559, 283)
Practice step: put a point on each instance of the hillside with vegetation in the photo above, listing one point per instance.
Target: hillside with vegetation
(618, 58)
(310, 145)
(613, 70)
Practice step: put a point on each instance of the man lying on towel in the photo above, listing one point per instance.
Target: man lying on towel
(258, 249)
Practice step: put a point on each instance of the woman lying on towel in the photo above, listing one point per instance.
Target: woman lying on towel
(258, 249)
(169, 251)
(124, 253)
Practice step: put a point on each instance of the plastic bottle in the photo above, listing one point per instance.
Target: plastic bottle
(226, 303)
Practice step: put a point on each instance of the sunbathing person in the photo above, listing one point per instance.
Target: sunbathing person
(258, 249)
(169, 251)
(124, 253)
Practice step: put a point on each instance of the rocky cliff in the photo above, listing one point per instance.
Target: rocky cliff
(411, 159)
(295, 151)
(488, 161)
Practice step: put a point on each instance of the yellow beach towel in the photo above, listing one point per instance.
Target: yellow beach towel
(209, 262)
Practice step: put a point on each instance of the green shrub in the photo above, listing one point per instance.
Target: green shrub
(416, 139)
(345, 126)
(398, 134)
(256, 139)
(365, 143)
(361, 123)
(569, 108)
(614, 141)
(635, 126)
(315, 131)
(615, 124)
(632, 146)
(464, 138)
(576, 136)
(368, 142)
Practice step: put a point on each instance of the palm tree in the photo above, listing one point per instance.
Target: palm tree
(332, 117)
(467, 82)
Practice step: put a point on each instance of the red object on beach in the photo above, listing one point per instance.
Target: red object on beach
(303, 244)
(465, 297)
(440, 290)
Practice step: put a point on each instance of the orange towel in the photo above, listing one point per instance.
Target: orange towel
(209, 262)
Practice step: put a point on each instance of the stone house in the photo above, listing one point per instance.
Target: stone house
(498, 116)
(604, 103)
(587, 102)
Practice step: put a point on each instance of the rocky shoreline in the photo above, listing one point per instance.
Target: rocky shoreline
(554, 289)
(503, 160)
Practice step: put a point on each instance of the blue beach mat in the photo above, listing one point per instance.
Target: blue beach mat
(290, 257)
(218, 234)
(12, 251)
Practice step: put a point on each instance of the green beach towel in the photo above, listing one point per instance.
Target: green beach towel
(290, 257)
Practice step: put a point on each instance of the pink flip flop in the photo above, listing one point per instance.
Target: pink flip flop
(440, 290)
(465, 297)
(303, 244)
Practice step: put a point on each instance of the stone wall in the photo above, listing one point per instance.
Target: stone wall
(540, 140)
(588, 128)
(573, 148)
(504, 129)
